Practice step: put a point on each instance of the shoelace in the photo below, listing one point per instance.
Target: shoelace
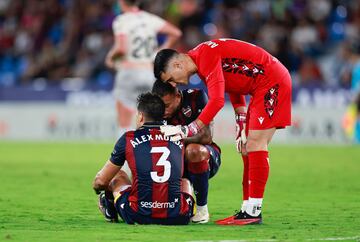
(237, 213)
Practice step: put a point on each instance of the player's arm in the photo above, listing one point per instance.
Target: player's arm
(116, 51)
(172, 35)
(210, 67)
(205, 135)
(215, 82)
(239, 104)
(111, 167)
(104, 176)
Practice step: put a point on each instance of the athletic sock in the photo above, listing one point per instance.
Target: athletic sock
(202, 208)
(254, 206)
(245, 181)
(199, 177)
(244, 205)
(258, 173)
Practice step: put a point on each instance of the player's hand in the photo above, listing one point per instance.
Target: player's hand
(240, 132)
(110, 63)
(178, 132)
(175, 133)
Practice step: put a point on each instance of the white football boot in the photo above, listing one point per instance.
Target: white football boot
(201, 216)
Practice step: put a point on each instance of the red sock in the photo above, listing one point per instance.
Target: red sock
(245, 181)
(258, 173)
(198, 167)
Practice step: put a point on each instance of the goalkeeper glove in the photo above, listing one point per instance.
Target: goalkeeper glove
(179, 132)
(240, 131)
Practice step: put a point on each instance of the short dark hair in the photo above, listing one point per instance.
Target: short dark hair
(151, 105)
(132, 2)
(161, 61)
(161, 88)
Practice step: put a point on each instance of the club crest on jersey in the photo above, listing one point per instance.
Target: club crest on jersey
(187, 111)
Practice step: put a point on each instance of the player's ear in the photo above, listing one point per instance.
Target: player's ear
(141, 117)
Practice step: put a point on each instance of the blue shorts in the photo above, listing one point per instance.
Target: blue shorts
(131, 217)
(215, 159)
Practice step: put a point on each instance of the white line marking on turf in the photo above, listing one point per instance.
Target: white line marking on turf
(357, 238)
(339, 238)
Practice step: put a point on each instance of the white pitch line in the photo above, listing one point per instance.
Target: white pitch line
(357, 238)
(339, 238)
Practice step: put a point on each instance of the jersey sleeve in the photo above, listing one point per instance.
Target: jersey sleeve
(117, 157)
(237, 100)
(210, 68)
(119, 26)
(156, 22)
(201, 100)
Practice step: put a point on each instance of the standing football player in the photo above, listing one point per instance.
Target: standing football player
(202, 155)
(238, 68)
(135, 45)
(157, 193)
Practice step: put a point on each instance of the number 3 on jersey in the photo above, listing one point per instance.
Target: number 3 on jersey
(165, 153)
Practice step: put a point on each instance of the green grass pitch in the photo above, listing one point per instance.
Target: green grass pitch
(313, 194)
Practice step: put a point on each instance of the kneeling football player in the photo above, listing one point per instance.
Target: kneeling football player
(157, 193)
(202, 155)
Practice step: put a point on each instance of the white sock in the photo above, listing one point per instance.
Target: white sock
(244, 205)
(254, 206)
(202, 208)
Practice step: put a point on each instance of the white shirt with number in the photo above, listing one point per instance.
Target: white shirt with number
(140, 31)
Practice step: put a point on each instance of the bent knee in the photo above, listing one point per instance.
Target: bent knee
(196, 153)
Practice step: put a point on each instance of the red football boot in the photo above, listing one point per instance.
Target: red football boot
(240, 218)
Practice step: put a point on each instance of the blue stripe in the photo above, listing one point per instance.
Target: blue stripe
(143, 161)
(174, 182)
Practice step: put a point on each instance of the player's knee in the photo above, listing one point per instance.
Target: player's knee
(255, 144)
(119, 180)
(195, 153)
(197, 157)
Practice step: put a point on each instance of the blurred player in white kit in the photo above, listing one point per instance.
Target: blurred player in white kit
(132, 55)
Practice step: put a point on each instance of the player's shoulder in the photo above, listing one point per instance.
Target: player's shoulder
(193, 95)
(189, 92)
(120, 18)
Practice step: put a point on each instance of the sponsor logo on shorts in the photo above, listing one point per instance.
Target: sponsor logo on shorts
(157, 204)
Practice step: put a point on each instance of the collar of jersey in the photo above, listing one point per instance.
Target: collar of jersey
(153, 124)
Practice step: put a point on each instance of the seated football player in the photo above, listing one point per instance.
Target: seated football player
(157, 193)
(202, 155)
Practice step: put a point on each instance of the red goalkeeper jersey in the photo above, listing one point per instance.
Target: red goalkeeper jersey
(236, 67)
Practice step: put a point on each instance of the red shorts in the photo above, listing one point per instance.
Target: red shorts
(270, 105)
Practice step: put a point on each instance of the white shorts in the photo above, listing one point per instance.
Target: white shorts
(130, 83)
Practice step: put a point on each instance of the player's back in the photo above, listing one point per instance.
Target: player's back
(140, 30)
(157, 165)
(245, 66)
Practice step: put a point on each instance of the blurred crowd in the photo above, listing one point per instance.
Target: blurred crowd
(56, 41)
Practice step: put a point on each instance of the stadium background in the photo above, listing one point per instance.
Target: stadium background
(52, 58)
(57, 118)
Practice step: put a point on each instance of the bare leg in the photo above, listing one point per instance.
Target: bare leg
(119, 183)
(124, 115)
